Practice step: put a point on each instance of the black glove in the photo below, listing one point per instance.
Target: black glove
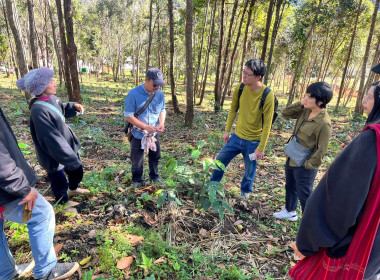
(75, 176)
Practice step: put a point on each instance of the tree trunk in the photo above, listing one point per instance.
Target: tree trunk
(189, 117)
(171, 61)
(200, 51)
(277, 22)
(267, 29)
(72, 51)
(205, 71)
(295, 78)
(19, 51)
(250, 10)
(150, 35)
(348, 55)
(10, 43)
(217, 77)
(358, 105)
(31, 34)
(226, 48)
(229, 72)
(64, 50)
(56, 48)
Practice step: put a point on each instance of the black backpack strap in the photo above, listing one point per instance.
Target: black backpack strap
(262, 102)
(242, 85)
(265, 94)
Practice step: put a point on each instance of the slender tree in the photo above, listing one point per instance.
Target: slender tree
(150, 35)
(341, 89)
(32, 39)
(171, 60)
(65, 57)
(56, 48)
(210, 40)
(267, 29)
(72, 51)
(280, 5)
(244, 44)
(229, 71)
(189, 117)
(19, 51)
(358, 106)
(295, 75)
(219, 61)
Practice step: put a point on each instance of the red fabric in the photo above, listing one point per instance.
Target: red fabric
(353, 265)
(1, 213)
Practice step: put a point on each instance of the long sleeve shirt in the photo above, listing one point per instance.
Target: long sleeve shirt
(314, 133)
(250, 125)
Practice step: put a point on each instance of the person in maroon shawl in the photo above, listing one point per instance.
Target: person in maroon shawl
(334, 210)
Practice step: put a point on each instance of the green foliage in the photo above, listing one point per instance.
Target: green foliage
(195, 178)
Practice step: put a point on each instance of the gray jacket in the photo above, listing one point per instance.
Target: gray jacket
(16, 176)
(56, 144)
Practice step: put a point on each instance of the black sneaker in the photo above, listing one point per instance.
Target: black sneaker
(61, 271)
(25, 268)
(158, 181)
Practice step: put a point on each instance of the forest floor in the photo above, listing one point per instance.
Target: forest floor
(124, 233)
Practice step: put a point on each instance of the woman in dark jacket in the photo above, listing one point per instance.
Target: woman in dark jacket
(335, 208)
(56, 144)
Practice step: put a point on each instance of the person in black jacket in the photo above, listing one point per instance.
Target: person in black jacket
(334, 209)
(56, 144)
(17, 180)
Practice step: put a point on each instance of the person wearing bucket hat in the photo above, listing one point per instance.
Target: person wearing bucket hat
(146, 125)
(56, 144)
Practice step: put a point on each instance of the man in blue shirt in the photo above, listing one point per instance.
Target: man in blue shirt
(146, 126)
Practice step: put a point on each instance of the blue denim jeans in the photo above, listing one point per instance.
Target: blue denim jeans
(298, 185)
(230, 150)
(41, 233)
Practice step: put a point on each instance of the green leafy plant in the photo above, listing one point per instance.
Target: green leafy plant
(196, 177)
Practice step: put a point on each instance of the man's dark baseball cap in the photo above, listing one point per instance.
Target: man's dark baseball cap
(156, 75)
(376, 69)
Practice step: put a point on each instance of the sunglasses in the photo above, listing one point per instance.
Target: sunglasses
(376, 83)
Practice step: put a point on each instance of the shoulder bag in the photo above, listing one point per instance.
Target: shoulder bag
(298, 153)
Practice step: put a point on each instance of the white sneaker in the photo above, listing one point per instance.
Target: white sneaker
(244, 196)
(284, 214)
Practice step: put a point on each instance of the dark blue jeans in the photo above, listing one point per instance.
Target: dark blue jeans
(60, 185)
(235, 146)
(137, 158)
(299, 185)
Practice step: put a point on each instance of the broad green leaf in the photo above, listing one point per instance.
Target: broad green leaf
(206, 204)
(161, 198)
(170, 166)
(200, 144)
(178, 201)
(195, 154)
(227, 206)
(23, 145)
(212, 194)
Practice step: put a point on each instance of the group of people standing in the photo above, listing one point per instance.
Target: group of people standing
(345, 185)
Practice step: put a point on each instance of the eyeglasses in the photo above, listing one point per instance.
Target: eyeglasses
(368, 97)
(246, 74)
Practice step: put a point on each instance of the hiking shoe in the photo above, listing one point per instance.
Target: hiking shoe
(25, 268)
(158, 181)
(78, 191)
(136, 185)
(284, 214)
(244, 196)
(61, 271)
